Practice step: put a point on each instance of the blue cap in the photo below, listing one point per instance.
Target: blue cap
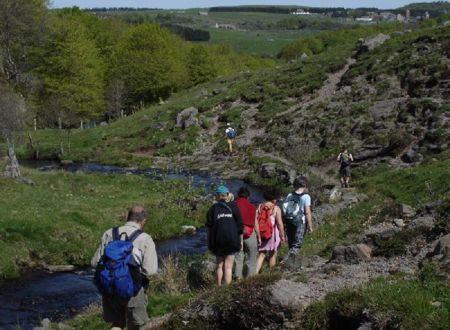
(222, 190)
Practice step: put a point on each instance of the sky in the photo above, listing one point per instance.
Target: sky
(179, 4)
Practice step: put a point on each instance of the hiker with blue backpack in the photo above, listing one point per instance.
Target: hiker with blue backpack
(124, 261)
(231, 134)
(297, 216)
(225, 233)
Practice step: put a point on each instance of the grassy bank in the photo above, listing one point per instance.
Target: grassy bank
(386, 188)
(60, 219)
(394, 303)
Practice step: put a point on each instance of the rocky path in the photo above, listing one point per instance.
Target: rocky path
(324, 94)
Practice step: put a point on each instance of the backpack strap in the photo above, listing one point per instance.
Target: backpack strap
(134, 235)
(226, 206)
(115, 234)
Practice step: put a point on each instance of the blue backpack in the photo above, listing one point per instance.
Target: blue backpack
(231, 133)
(117, 273)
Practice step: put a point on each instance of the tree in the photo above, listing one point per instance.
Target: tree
(150, 61)
(201, 64)
(71, 72)
(12, 117)
(22, 23)
(115, 98)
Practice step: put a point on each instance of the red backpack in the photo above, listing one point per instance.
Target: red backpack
(264, 221)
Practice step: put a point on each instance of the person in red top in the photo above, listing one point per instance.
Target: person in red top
(251, 235)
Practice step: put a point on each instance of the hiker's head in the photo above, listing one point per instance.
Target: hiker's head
(344, 149)
(301, 182)
(229, 198)
(222, 193)
(244, 192)
(137, 214)
(271, 194)
(228, 124)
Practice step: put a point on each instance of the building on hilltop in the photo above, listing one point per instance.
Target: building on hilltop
(365, 19)
(401, 18)
(300, 12)
(225, 26)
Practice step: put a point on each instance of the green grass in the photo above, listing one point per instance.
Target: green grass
(390, 303)
(61, 218)
(259, 42)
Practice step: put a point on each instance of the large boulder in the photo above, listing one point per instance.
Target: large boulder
(372, 42)
(289, 293)
(188, 230)
(407, 211)
(187, 118)
(425, 223)
(277, 172)
(351, 254)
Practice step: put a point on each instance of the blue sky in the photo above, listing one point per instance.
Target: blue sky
(211, 3)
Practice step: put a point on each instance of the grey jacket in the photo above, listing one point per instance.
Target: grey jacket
(144, 251)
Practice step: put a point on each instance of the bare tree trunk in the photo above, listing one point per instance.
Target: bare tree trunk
(12, 170)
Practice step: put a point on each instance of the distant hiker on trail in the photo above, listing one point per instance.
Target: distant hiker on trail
(271, 229)
(225, 231)
(345, 160)
(124, 261)
(297, 216)
(231, 136)
(251, 235)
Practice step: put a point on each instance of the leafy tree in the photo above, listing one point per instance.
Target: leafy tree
(201, 64)
(71, 71)
(150, 60)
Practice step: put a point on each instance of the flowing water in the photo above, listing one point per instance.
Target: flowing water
(38, 295)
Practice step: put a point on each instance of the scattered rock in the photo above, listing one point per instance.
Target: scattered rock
(423, 223)
(293, 262)
(335, 195)
(313, 262)
(45, 325)
(407, 211)
(436, 303)
(288, 293)
(187, 118)
(188, 230)
(379, 231)
(442, 249)
(65, 162)
(352, 254)
(201, 274)
(412, 156)
(399, 223)
(366, 326)
(59, 268)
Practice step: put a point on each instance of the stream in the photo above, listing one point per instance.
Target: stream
(59, 296)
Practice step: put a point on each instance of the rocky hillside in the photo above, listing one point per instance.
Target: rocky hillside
(386, 97)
